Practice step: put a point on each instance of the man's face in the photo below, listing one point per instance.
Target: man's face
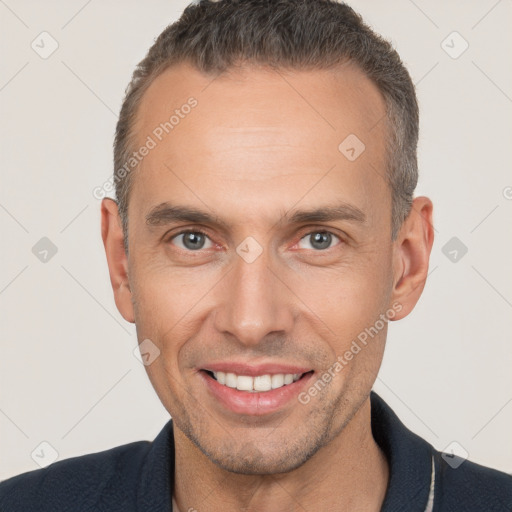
(255, 289)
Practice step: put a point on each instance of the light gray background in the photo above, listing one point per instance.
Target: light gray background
(68, 375)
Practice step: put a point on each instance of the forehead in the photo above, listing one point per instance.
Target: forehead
(262, 136)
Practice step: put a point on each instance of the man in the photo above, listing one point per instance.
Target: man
(264, 234)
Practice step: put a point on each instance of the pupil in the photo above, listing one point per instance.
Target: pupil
(321, 240)
(193, 240)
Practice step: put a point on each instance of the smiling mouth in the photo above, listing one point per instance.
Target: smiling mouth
(258, 384)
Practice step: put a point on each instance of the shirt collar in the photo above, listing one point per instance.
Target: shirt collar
(156, 480)
(409, 458)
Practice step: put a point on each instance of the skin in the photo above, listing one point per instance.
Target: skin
(260, 145)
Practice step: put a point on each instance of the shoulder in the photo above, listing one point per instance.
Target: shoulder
(460, 485)
(99, 481)
(471, 487)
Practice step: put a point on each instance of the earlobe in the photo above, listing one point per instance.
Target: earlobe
(411, 255)
(112, 235)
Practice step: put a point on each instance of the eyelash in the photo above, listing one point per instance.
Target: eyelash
(201, 232)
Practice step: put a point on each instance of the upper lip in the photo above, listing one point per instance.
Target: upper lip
(253, 370)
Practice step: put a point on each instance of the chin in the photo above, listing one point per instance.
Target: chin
(262, 455)
(250, 461)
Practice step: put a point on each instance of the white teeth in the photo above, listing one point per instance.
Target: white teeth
(244, 383)
(260, 383)
(277, 380)
(230, 380)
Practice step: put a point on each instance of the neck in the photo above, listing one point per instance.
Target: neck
(348, 474)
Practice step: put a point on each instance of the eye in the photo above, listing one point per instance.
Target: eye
(317, 240)
(192, 240)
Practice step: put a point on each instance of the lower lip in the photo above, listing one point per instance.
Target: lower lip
(255, 403)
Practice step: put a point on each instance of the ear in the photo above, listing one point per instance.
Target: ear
(112, 235)
(411, 254)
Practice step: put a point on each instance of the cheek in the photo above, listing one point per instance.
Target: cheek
(167, 298)
(350, 297)
(171, 307)
(164, 313)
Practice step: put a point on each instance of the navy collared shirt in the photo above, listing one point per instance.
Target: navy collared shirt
(140, 477)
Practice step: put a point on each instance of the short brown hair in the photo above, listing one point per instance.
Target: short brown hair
(297, 34)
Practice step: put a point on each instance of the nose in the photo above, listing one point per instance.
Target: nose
(253, 303)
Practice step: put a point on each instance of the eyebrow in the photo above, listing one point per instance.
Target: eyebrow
(166, 213)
